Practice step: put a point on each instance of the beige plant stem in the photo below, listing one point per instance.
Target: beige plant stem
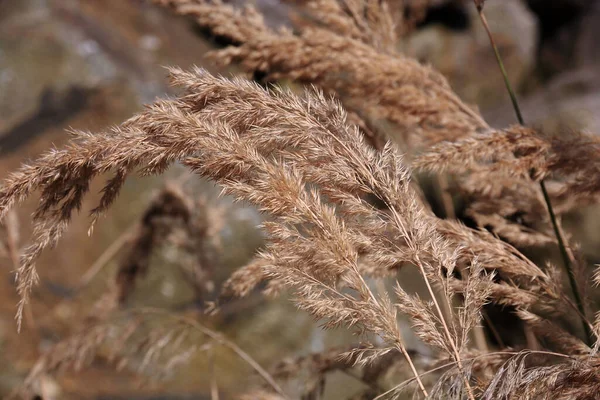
(449, 336)
(230, 345)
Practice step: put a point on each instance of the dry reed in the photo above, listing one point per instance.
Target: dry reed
(380, 87)
(342, 202)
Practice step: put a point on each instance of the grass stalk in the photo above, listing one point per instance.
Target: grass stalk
(449, 336)
(559, 237)
(443, 186)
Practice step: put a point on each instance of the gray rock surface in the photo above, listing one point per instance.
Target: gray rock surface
(466, 58)
(569, 102)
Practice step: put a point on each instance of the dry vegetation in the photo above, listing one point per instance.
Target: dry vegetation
(345, 212)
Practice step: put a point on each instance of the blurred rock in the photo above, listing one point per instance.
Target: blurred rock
(568, 103)
(467, 59)
(587, 46)
(275, 12)
(51, 48)
(560, 28)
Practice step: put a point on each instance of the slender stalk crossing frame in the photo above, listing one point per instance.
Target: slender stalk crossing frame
(559, 237)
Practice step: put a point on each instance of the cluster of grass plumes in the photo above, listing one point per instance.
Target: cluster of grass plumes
(378, 85)
(344, 209)
(522, 153)
(391, 96)
(498, 172)
(299, 160)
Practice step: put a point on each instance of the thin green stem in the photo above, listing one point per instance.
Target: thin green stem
(567, 262)
(559, 237)
(511, 93)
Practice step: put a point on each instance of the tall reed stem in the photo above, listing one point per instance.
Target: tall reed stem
(559, 237)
